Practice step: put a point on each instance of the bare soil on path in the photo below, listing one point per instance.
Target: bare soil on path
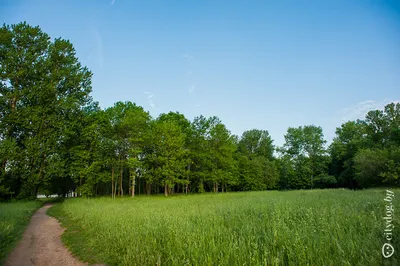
(41, 244)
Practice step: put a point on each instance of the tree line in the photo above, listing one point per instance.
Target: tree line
(54, 138)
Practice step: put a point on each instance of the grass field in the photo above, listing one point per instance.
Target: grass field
(13, 219)
(319, 227)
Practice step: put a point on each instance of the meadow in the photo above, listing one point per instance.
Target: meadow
(317, 227)
(14, 217)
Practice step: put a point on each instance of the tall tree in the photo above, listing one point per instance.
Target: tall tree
(169, 155)
(139, 122)
(256, 142)
(257, 171)
(43, 86)
(199, 146)
(185, 127)
(222, 148)
(383, 126)
(129, 124)
(348, 141)
(305, 148)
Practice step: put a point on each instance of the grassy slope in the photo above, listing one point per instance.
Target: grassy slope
(320, 227)
(14, 217)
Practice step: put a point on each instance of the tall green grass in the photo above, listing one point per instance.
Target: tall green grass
(319, 227)
(14, 217)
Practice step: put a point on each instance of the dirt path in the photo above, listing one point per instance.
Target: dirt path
(41, 244)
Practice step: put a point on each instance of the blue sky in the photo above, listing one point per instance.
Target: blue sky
(254, 64)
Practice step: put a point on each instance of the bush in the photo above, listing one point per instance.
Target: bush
(325, 181)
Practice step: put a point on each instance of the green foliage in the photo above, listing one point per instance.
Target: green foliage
(391, 175)
(55, 139)
(305, 154)
(365, 153)
(383, 126)
(222, 148)
(348, 141)
(378, 162)
(325, 181)
(257, 169)
(258, 173)
(43, 87)
(329, 227)
(169, 154)
(129, 129)
(375, 167)
(256, 143)
(200, 164)
(369, 164)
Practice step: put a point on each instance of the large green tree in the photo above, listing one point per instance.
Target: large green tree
(222, 148)
(169, 157)
(257, 168)
(349, 139)
(364, 152)
(129, 127)
(383, 126)
(199, 147)
(255, 143)
(305, 148)
(85, 153)
(43, 86)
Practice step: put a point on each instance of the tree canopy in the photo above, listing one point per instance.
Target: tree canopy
(55, 139)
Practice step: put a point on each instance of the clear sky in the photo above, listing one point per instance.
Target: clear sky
(254, 64)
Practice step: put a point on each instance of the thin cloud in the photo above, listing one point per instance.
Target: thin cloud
(150, 97)
(188, 57)
(191, 89)
(359, 110)
(112, 2)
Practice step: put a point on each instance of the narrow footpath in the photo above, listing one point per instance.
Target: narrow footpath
(41, 244)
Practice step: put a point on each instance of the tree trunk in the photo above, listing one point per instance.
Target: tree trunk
(3, 166)
(166, 190)
(129, 182)
(148, 188)
(115, 187)
(222, 187)
(80, 185)
(139, 184)
(133, 185)
(13, 103)
(311, 181)
(120, 183)
(112, 182)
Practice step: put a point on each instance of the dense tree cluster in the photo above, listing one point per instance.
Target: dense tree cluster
(366, 153)
(55, 139)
